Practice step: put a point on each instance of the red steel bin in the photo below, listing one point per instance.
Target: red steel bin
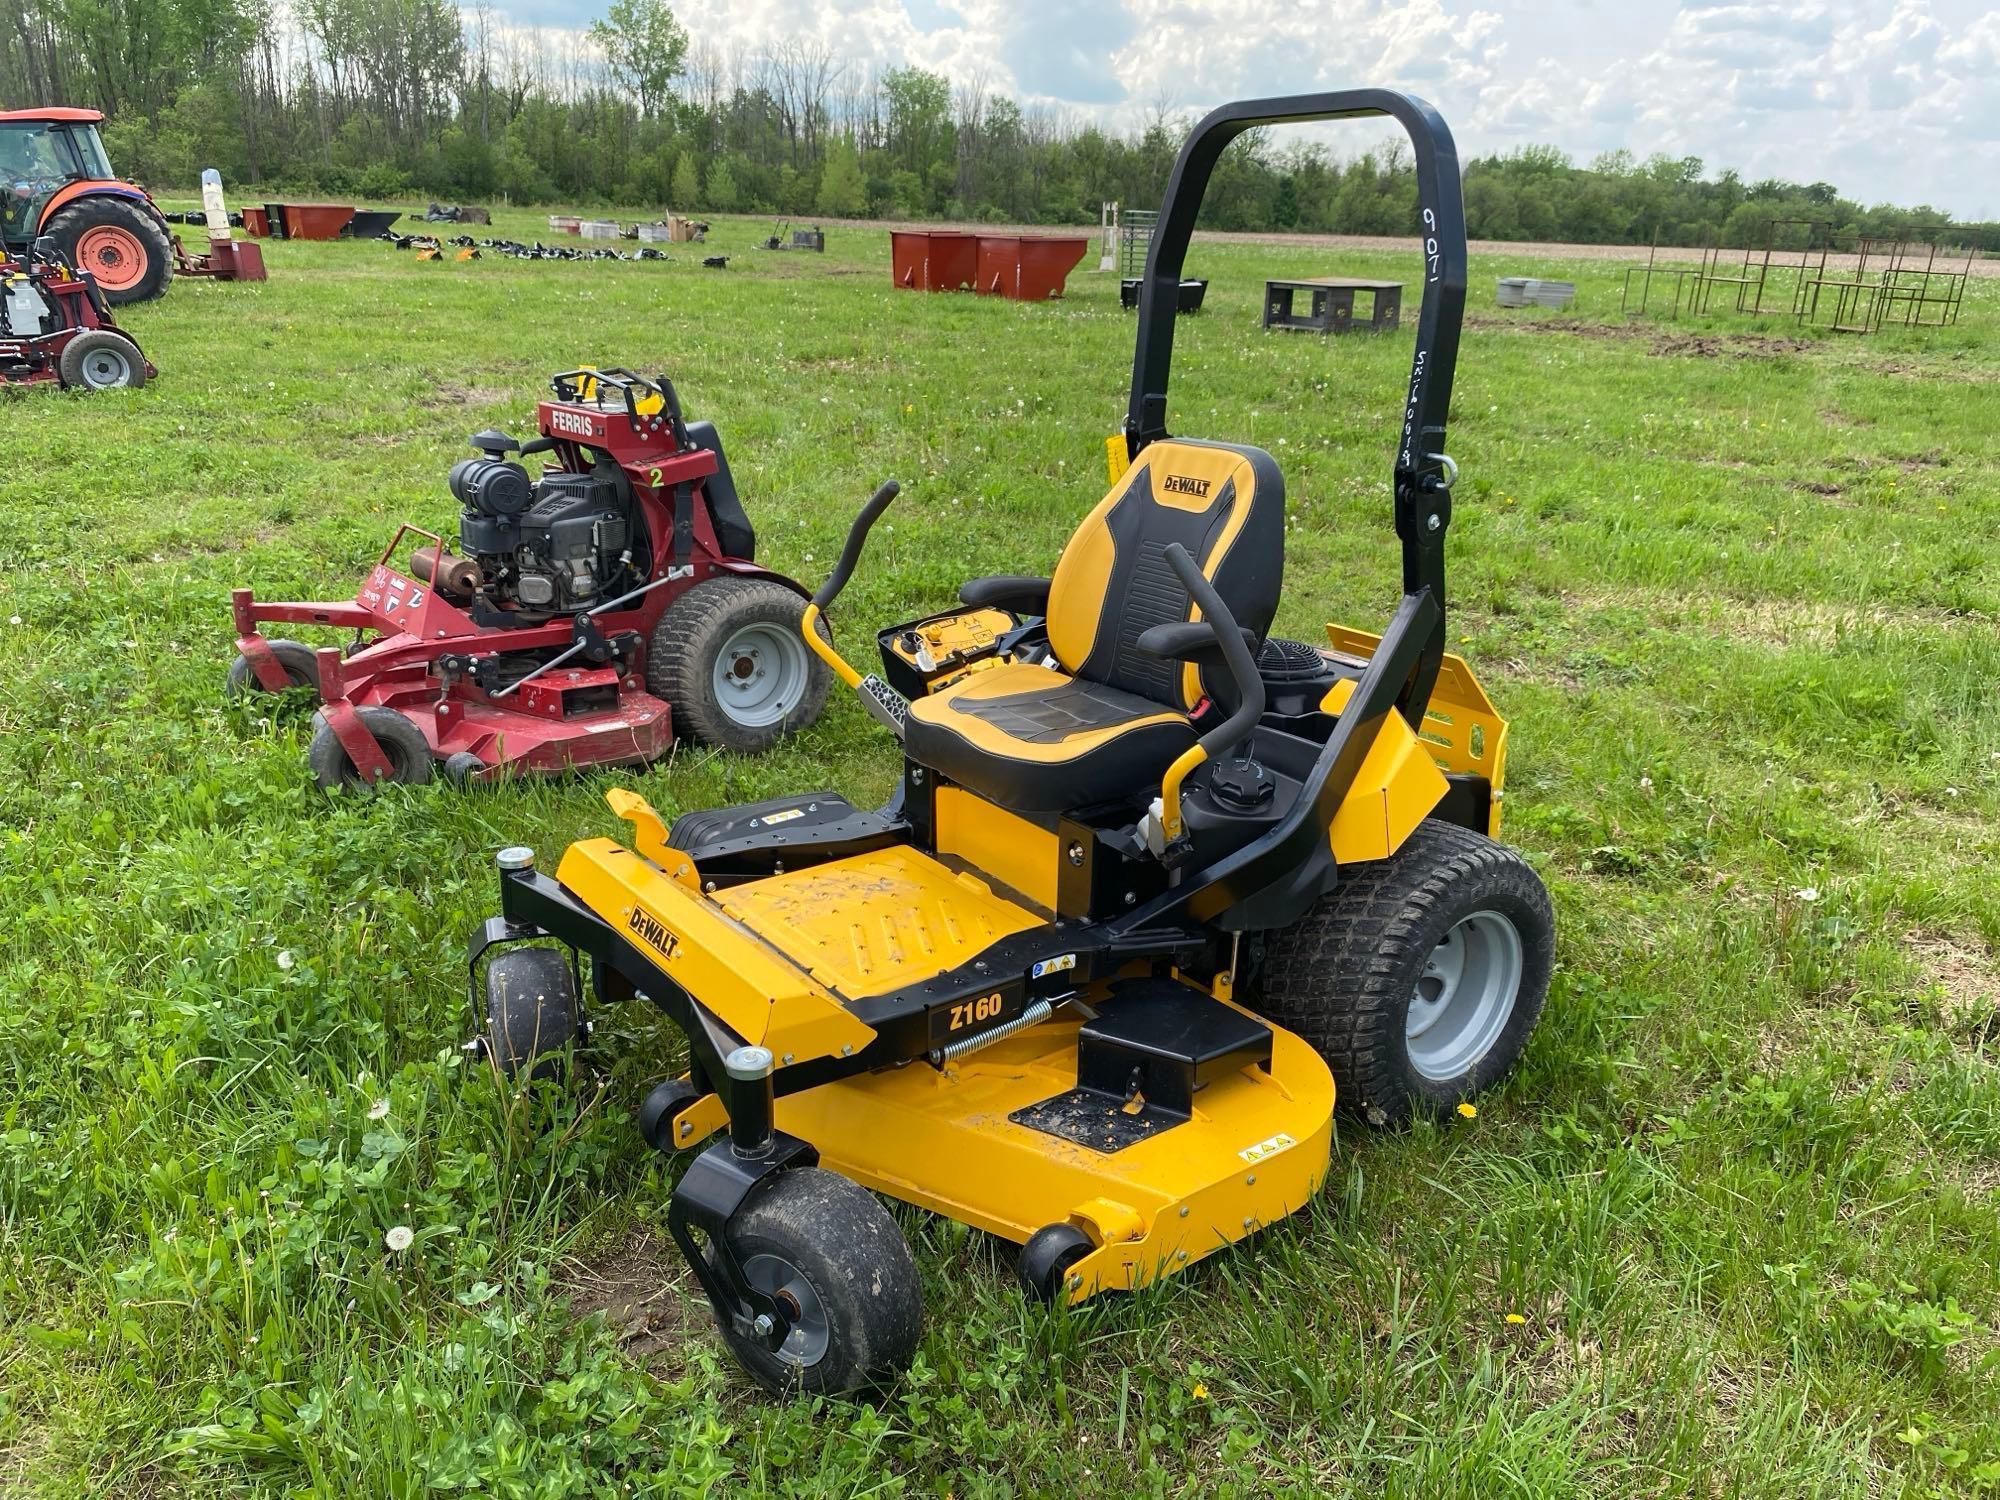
(316, 221)
(936, 260)
(256, 221)
(1046, 262)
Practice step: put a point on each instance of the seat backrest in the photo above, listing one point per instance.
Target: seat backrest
(1226, 505)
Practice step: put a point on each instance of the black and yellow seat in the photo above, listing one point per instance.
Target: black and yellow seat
(1107, 719)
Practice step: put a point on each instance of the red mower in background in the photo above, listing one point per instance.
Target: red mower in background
(56, 325)
(590, 616)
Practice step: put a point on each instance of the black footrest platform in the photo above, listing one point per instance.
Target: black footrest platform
(755, 838)
(1152, 1046)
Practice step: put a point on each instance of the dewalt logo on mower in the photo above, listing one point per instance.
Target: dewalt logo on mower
(653, 932)
(1181, 484)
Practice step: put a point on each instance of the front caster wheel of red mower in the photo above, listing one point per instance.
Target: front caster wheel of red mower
(462, 768)
(403, 747)
(729, 656)
(832, 1257)
(300, 665)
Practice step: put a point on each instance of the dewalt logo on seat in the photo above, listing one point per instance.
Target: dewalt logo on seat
(653, 932)
(1181, 484)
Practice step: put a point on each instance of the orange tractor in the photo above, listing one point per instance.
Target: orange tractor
(56, 182)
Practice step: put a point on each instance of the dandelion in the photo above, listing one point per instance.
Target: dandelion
(1200, 1391)
(379, 1110)
(400, 1238)
(13, 619)
(1516, 1320)
(284, 958)
(1468, 1110)
(1807, 893)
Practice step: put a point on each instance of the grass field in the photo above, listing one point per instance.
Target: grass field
(1734, 1228)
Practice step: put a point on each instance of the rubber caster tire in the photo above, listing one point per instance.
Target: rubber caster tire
(403, 746)
(828, 1248)
(532, 1013)
(119, 242)
(1418, 978)
(100, 360)
(299, 661)
(656, 1115)
(731, 659)
(462, 768)
(1045, 1261)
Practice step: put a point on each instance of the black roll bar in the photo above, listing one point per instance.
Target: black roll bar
(1423, 474)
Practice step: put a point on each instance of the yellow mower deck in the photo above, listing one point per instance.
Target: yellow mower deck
(1255, 1150)
(811, 941)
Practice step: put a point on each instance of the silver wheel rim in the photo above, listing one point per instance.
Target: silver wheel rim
(105, 369)
(1464, 997)
(760, 675)
(805, 1345)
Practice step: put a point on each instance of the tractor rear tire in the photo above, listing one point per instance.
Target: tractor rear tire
(1419, 977)
(99, 360)
(300, 662)
(827, 1249)
(403, 746)
(729, 656)
(119, 242)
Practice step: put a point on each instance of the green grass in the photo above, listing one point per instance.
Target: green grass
(1734, 1228)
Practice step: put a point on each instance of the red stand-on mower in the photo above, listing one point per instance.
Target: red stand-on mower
(56, 325)
(589, 616)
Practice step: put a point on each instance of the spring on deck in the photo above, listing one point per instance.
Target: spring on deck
(1039, 1011)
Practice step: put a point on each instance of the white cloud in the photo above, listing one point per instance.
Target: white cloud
(1888, 99)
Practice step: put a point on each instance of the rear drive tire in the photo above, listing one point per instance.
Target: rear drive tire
(828, 1248)
(300, 664)
(729, 656)
(118, 241)
(532, 1013)
(1419, 977)
(99, 360)
(403, 746)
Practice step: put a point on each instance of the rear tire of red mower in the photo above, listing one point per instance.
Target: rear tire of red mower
(99, 360)
(125, 227)
(300, 663)
(772, 685)
(403, 746)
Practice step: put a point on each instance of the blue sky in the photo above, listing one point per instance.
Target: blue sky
(1895, 100)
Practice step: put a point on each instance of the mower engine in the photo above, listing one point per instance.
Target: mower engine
(560, 543)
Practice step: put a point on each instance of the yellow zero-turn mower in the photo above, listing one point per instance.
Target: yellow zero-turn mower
(1151, 884)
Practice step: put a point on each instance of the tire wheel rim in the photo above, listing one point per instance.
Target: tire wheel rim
(1463, 999)
(106, 369)
(805, 1345)
(760, 675)
(113, 255)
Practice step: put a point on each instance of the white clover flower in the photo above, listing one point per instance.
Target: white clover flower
(1807, 893)
(400, 1238)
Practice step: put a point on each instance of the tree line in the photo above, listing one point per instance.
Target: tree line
(394, 99)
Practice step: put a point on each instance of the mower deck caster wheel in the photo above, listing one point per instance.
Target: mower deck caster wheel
(403, 746)
(656, 1114)
(532, 1012)
(300, 664)
(832, 1257)
(462, 768)
(1046, 1259)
